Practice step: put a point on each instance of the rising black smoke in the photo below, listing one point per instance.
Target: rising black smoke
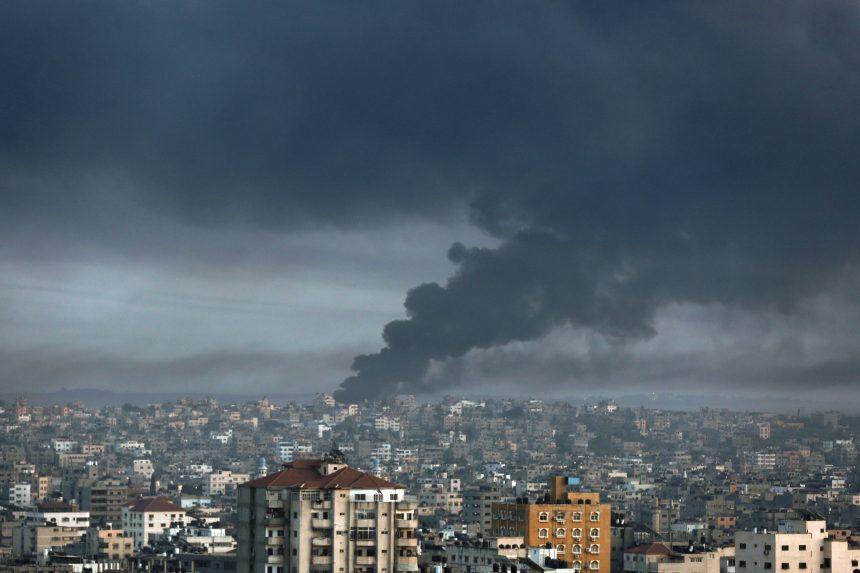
(724, 176)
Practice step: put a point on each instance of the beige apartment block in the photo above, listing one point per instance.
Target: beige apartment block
(217, 483)
(321, 516)
(796, 545)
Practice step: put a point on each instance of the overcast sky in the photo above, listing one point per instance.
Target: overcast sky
(522, 197)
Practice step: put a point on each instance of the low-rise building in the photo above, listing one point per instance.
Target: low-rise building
(150, 517)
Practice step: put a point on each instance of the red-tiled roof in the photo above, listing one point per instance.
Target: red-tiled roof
(305, 474)
(152, 504)
(54, 506)
(651, 549)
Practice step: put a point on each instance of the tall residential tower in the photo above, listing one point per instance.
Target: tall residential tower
(321, 516)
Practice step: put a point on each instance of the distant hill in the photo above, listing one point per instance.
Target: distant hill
(96, 398)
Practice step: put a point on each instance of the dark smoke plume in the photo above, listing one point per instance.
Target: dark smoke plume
(725, 175)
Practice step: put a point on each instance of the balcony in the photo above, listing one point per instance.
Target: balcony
(365, 560)
(273, 521)
(274, 540)
(406, 523)
(321, 523)
(321, 504)
(275, 559)
(321, 559)
(321, 541)
(406, 564)
(407, 542)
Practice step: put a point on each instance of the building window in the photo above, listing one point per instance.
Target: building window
(360, 497)
(543, 532)
(742, 564)
(560, 548)
(543, 516)
(594, 565)
(785, 565)
(577, 515)
(576, 549)
(595, 516)
(785, 547)
(802, 547)
(594, 548)
(560, 532)
(362, 533)
(594, 532)
(576, 532)
(801, 565)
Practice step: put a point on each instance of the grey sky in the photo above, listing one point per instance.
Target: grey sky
(208, 196)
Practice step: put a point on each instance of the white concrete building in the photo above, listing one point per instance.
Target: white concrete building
(150, 517)
(19, 494)
(59, 513)
(65, 446)
(796, 545)
(197, 539)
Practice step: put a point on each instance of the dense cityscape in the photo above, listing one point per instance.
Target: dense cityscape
(399, 485)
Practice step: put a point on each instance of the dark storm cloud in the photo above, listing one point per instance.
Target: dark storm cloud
(628, 157)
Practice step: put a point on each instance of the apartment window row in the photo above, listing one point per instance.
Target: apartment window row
(543, 516)
(768, 565)
(594, 532)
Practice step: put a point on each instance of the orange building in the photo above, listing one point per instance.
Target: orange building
(575, 523)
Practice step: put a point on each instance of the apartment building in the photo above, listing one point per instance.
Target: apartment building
(321, 516)
(105, 500)
(31, 539)
(19, 494)
(217, 483)
(661, 558)
(61, 514)
(149, 517)
(478, 506)
(576, 524)
(113, 544)
(801, 544)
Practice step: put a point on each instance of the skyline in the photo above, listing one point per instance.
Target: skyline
(202, 197)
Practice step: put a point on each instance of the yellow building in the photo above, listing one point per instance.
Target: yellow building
(576, 524)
